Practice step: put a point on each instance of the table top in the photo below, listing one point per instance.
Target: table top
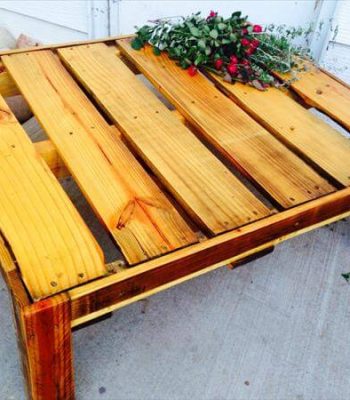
(164, 178)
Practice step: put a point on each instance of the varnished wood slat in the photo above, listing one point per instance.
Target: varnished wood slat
(141, 219)
(52, 245)
(245, 143)
(7, 85)
(306, 134)
(198, 180)
(49, 154)
(120, 289)
(320, 90)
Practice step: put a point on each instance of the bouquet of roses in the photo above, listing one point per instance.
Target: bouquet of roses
(232, 47)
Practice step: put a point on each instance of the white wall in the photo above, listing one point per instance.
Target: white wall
(336, 52)
(132, 12)
(56, 20)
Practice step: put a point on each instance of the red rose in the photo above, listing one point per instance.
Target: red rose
(192, 70)
(212, 14)
(257, 28)
(233, 59)
(245, 62)
(250, 51)
(218, 64)
(245, 42)
(232, 69)
(255, 43)
(244, 31)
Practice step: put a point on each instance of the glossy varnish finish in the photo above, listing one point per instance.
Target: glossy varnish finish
(167, 185)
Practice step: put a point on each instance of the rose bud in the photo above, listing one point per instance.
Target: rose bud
(218, 64)
(250, 51)
(233, 59)
(255, 43)
(257, 29)
(212, 14)
(232, 69)
(245, 42)
(192, 70)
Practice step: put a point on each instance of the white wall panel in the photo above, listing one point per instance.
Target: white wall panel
(71, 14)
(134, 12)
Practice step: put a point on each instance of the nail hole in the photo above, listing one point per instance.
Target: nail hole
(291, 198)
(53, 284)
(81, 275)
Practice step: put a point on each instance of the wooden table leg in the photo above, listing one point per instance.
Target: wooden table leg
(45, 336)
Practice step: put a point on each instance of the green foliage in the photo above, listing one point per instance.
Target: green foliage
(200, 42)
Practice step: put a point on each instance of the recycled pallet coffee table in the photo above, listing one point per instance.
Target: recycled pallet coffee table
(227, 174)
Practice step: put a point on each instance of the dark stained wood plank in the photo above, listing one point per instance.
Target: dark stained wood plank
(108, 292)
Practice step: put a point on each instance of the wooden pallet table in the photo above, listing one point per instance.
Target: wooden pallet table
(225, 175)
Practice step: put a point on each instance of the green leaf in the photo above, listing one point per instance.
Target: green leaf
(199, 59)
(236, 14)
(346, 277)
(221, 26)
(194, 31)
(207, 50)
(156, 51)
(136, 44)
(233, 37)
(201, 44)
(214, 33)
(249, 28)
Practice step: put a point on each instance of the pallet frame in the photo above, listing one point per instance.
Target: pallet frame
(44, 327)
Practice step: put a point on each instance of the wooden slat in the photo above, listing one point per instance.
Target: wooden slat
(306, 134)
(197, 179)
(120, 289)
(253, 150)
(48, 152)
(7, 85)
(52, 245)
(320, 90)
(141, 219)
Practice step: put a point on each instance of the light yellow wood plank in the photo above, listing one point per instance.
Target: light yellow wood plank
(141, 219)
(49, 153)
(52, 245)
(320, 90)
(197, 179)
(7, 85)
(306, 134)
(253, 150)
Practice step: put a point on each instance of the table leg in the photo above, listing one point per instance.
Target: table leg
(45, 341)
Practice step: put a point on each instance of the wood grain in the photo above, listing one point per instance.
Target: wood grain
(252, 149)
(300, 130)
(49, 154)
(7, 85)
(199, 182)
(46, 336)
(107, 293)
(52, 245)
(321, 90)
(140, 218)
